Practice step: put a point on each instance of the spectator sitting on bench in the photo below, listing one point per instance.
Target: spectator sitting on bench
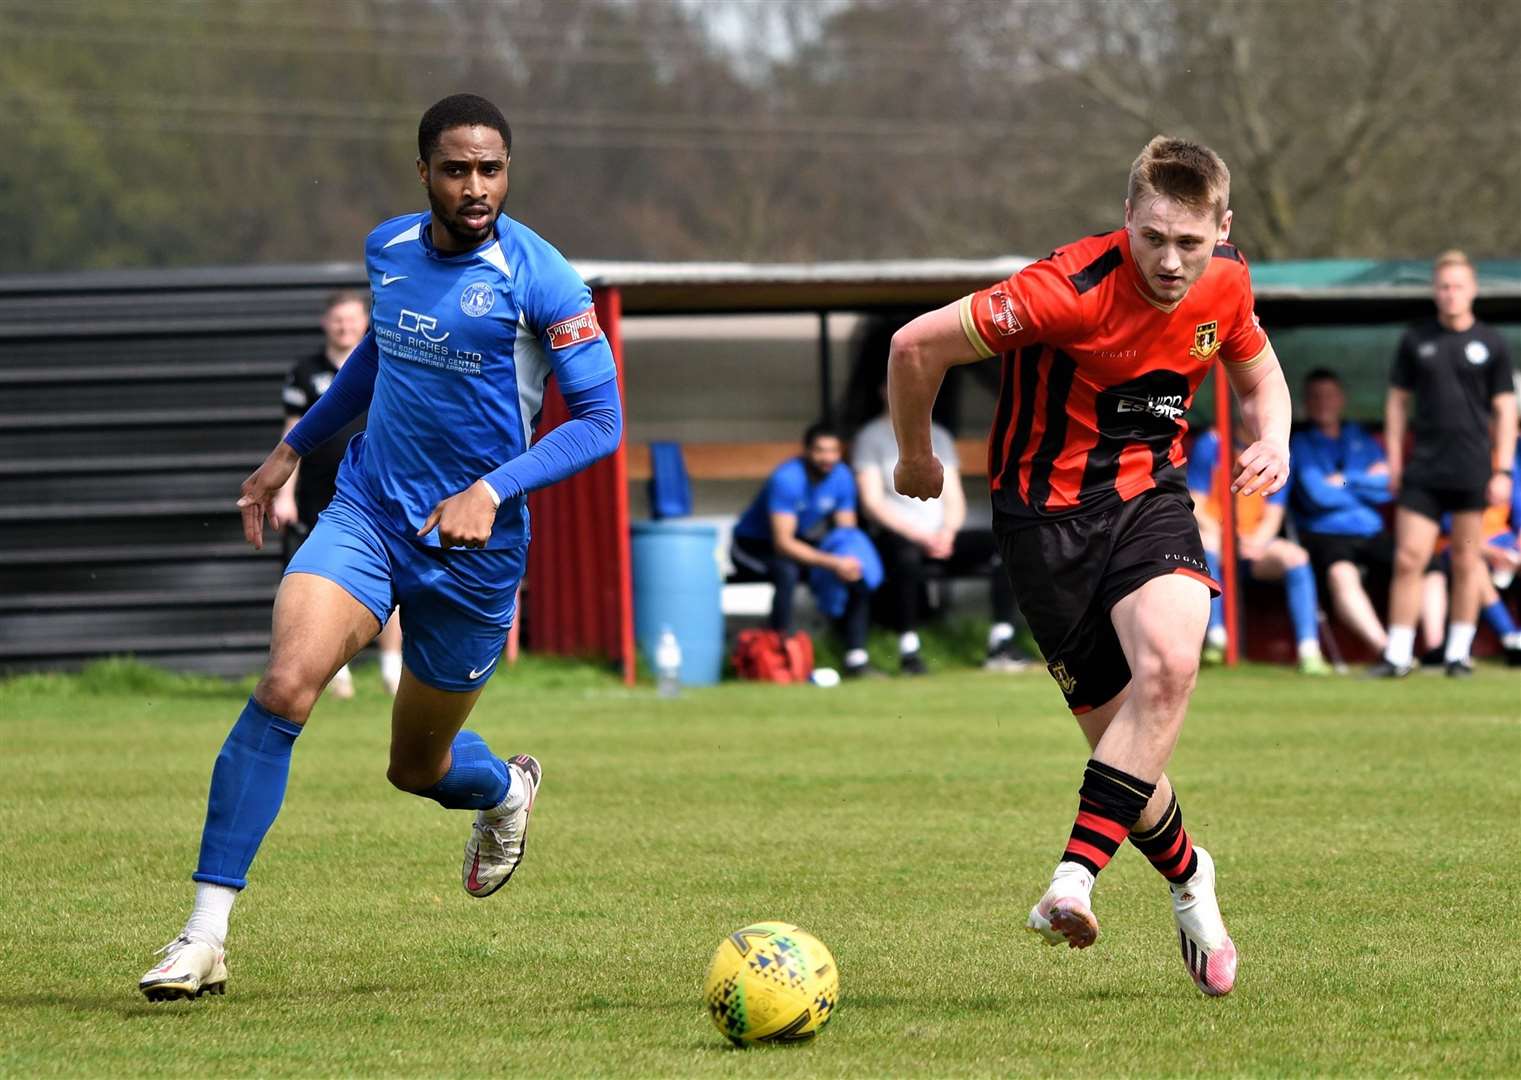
(913, 534)
(778, 535)
(1340, 480)
(1263, 554)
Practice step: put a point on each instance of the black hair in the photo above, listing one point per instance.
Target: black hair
(1322, 373)
(459, 110)
(821, 429)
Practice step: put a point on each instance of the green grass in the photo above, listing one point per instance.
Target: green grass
(1366, 836)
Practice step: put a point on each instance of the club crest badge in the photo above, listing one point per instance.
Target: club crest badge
(1206, 340)
(1065, 680)
(1477, 352)
(476, 299)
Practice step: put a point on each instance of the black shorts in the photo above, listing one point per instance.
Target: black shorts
(1068, 573)
(1374, 553)
(1432, 502)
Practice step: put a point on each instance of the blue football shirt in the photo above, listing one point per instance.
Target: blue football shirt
(466, 343)
(791, 490)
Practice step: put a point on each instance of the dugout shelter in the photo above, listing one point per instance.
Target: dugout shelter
(132, 404)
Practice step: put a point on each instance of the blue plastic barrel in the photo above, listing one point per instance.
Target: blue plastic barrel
(676, 585)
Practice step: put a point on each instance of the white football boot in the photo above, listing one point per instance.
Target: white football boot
(190, 968)
(1208, 952)
(500, 835)
(1065, 914)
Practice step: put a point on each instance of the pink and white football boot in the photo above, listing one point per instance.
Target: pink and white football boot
(1065, 914)
(1208, 952)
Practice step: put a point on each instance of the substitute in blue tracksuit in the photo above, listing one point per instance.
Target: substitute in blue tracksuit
(1339, 482)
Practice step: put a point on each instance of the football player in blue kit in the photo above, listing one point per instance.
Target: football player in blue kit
(472, 314)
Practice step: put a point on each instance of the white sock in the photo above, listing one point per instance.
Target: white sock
(390, 667)
(1214, 637)
(1000, 632)
(1309, 649)
(343, 673)
(1511, 641)
(208, 919)
(855, 657)
(908, 643)
(1459, 641)
(1401, 643)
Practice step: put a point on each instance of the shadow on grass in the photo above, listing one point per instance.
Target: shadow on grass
(130, 1005)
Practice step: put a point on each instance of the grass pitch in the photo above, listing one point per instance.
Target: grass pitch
(1366, 836)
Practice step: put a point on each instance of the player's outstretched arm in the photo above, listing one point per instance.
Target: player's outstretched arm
(1268, 413)
(346, 398)
(257, 495)
(922, 352)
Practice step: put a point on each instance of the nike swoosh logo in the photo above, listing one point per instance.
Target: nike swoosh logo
(386, 279)
(475, 882)
(478, 674)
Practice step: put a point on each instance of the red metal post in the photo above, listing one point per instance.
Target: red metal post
(609, 303)
(1224, 474)
(579, 595)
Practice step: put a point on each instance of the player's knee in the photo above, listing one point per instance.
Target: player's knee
(287, 691)
(1343, 576)
(1165, 676)
(1466, 559)
(1409, 561)
(1294, 556)
(785, 573)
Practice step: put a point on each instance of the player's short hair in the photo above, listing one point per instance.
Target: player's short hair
(1450, 257)
(459, 110)
(1186, 172)
(344, 296)
(822, 429)
(1322, 374)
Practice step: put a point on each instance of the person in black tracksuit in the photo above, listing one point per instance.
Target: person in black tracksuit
(1458, 372)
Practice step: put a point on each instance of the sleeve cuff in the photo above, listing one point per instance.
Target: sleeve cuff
(1248, 364)
(969, 328)
(496, 498)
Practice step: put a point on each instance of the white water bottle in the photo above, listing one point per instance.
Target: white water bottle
(667, 664)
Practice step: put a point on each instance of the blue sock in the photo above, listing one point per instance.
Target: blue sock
(1498, 617)
(477, 779)
(247, 787)
(1299, 583)
(1217, 605)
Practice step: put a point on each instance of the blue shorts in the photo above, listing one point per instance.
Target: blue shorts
(456, 605)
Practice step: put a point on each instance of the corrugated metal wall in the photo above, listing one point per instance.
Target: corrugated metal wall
(131, 408)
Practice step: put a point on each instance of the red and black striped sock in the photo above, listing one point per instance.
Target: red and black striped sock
(1167, 845)
(1109, 802)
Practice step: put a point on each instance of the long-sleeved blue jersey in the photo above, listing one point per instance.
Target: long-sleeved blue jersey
(453, 371)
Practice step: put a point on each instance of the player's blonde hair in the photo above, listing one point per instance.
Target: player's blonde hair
(1188, 173)
(1450, 257)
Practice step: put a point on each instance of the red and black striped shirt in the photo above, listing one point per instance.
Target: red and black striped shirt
(1097, 374)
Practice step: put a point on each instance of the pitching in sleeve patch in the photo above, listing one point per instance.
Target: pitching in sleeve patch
(574, 330)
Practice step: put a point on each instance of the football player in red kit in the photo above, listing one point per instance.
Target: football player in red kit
(1102, 346)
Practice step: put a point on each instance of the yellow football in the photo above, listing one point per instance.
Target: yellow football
(771, 982)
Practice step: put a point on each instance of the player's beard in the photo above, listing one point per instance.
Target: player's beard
(464, 236)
